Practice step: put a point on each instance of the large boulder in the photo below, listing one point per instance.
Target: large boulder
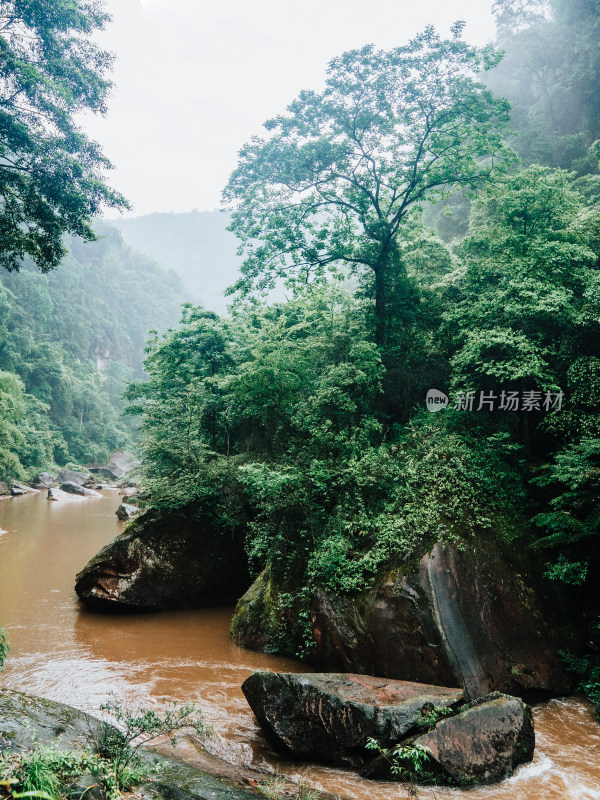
(43, 480)
(463, 616)
(483, 744)
(126, 511)
(74, 488)
(71, 476)
(107, 472)
(329, 717)
(165, 561)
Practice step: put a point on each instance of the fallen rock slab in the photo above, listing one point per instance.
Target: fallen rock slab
(54, 493)
(22, 488)
(126, 511)
(75, 488)
(329, 717)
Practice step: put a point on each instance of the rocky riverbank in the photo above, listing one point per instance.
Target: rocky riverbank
(28, 723)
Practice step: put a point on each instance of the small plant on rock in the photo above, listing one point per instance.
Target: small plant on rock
(407, 763)
(119, 746)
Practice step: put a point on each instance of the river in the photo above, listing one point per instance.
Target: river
(61, 651)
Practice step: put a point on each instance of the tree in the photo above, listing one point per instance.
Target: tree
(342, 170)
(521, 316)
(50, 172)
(549, 72)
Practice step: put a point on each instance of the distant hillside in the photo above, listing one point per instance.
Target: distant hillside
(70, 341)
(196, 245)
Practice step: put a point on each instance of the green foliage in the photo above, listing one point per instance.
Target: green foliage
(428, 717)
(267, 424)
(50, 173)
(587, 671)
(46, 772)
(549, 71)
(56, 330)
(4, 647)
(519, 313)
(119, 747)
(300, 424)
(333, 185)
(407, 762)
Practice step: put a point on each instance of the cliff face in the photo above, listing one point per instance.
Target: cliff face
(463, 617)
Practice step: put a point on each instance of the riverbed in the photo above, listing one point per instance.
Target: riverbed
(64, 652)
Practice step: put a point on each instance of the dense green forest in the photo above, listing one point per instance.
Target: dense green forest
(433, 215)
(70, 340)
(470, 234)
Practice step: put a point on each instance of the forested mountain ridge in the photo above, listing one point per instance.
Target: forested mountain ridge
(196, 245)
(70, 340)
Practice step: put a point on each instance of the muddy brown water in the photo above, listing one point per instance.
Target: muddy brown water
(61, 651)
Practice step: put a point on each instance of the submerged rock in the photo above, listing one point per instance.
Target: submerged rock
(460, 617)
(126, 511)
(163, 562)
(329, 716)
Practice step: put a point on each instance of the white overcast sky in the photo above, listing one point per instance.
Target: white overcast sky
(194, 80)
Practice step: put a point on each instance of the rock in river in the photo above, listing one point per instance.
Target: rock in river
(75, 488)
(43, 480)
(483, 744)
(70, 476)
(463, 616)
(165, 561)
(330, 716)
(126, 511)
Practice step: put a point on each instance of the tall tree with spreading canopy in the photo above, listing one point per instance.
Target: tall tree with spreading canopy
(341, 171)
(50, 172)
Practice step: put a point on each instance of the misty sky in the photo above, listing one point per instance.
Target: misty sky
(194, 80)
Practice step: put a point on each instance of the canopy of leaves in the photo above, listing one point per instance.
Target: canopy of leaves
(50, 172)
(341, 171)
